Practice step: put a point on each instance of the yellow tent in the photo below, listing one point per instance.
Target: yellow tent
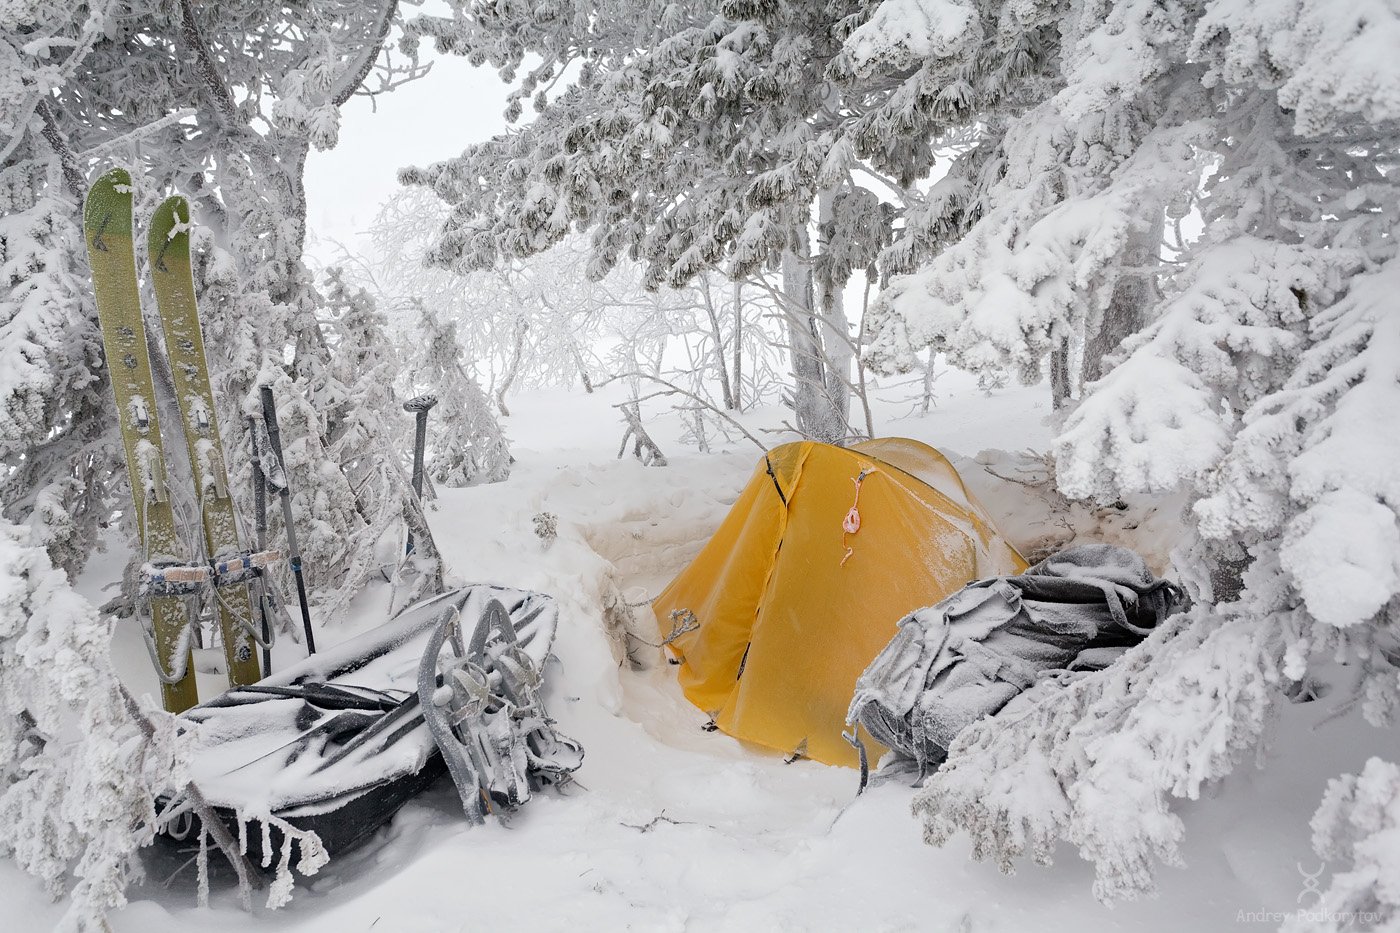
(786, 605)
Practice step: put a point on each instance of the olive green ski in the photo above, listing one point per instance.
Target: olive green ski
(169, 254)
(108, 229)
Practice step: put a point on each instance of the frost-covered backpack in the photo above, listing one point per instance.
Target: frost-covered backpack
(971, 654)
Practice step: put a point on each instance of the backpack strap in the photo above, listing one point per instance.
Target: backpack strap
(994, 665)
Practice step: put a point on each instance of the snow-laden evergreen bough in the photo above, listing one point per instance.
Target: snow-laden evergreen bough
(77, 795)
(1259, 372)
(1357, 824)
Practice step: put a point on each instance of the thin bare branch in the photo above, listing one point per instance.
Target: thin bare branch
(674, 389)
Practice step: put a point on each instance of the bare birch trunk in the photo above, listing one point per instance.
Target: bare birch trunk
(513, 367)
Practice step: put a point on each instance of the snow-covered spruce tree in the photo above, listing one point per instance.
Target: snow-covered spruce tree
(1034, 253)
(330, 527)
(366, 431)
(358, 401)
(55, 452)
(220, 102)
(467, 446)
(688, 137)
(1268, 361)
(55, 422)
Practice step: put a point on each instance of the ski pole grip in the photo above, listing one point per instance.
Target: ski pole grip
(274, 433)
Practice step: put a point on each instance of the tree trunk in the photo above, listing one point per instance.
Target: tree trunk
(926, 399)
(1059, 375)
(860, 362)
(817, 415)
(737, 375)
(513, 367)
(718, 337)
(1134, 293)
(582, 369)
(835, 326)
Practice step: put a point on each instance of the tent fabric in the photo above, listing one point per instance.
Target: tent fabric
(782, 625)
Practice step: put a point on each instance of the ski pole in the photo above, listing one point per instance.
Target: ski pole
(274, 441)
(260, 525)
(419, 405)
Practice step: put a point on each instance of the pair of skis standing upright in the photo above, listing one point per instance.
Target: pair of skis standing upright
(227, 571)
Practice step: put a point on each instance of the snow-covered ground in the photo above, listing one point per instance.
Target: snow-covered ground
(674, 828)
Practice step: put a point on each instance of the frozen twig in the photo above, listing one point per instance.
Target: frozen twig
(673, 389)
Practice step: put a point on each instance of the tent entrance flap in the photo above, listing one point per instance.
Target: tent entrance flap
(776, 597)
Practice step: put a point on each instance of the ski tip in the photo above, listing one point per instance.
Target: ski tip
(170, 227)
(109, 202)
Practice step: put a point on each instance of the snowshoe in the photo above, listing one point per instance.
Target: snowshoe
(337, 743)
(482, 704)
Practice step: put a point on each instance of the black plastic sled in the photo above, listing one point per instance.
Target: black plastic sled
(338, 743)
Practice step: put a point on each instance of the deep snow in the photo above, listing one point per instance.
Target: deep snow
(673, 828)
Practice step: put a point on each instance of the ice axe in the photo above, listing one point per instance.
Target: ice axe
(419, 406)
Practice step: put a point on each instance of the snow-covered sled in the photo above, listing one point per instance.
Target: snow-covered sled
(337, 743)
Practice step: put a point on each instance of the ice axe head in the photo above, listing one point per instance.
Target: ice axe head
(419, 406)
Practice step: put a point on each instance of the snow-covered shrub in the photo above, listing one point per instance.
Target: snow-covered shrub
(1096, 760)
(82, 762)
(546, 528)
(1358, 824)
(78, 773)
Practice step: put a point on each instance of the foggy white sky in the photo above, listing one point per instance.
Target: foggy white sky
(424, 121)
